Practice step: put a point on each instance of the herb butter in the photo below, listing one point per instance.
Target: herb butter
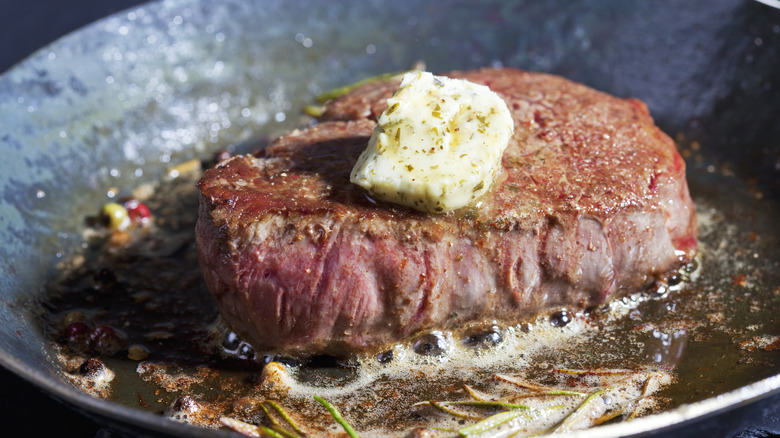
(438, 145)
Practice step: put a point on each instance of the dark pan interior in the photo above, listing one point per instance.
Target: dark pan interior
(165, 82)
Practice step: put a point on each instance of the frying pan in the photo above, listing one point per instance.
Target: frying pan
(93, 108)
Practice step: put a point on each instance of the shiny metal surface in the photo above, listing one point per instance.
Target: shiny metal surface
(112, 104)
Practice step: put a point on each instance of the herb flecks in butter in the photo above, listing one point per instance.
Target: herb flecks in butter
(438, 146)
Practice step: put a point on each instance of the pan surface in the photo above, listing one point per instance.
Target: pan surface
(114, 104)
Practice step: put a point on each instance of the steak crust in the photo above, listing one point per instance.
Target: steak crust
(592, 203)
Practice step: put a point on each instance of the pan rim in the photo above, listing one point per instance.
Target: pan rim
(665, 421)
(99, 408)
(61, 390)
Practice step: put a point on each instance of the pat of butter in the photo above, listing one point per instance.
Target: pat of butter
(437, 146)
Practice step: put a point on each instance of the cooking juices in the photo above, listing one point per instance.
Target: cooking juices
(131, 321)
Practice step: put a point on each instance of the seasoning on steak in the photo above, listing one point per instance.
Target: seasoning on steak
(592, 204)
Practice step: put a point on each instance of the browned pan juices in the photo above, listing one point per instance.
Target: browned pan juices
(713, 333)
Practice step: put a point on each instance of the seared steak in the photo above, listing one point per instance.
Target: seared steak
(592, 204)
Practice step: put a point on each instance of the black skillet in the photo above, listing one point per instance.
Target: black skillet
(711, 72)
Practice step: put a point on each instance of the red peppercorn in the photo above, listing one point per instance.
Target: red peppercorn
(77, 336)
(104, 340)
(75, 330)
(137, 211)
(102, 334)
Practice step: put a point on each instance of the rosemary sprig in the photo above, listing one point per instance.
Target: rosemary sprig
(337, 416)
(504, 423)
(285, 416)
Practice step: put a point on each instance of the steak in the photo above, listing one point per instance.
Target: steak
(591, 204)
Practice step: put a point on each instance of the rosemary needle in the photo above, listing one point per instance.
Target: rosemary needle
(286, 416)
(442, 407)
(486, 403)
(337, 416)
(551, 393)
(270, 432)
(276, 426)
(249, 429)
(284, 432)
(269, 416)
(521, 383)
(473, 393)
(597, 372)
(608, 416)
(340, 91)
(572, 416)
(314, 110)
(490, 423)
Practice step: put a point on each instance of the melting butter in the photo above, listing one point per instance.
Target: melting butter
(438, 145)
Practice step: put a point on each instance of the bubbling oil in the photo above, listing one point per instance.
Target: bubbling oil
(537, 364)
(568, 368)
(509, 365)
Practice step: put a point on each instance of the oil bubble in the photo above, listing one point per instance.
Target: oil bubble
(484, 339)
(431, 344)
(560, 318)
